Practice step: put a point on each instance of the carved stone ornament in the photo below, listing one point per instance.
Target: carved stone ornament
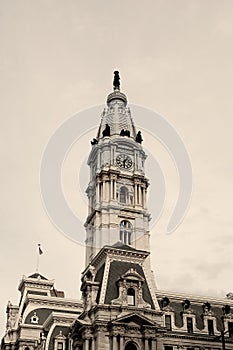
(60, 336)
(118, 330)
(131, 280)
(89, 294)
(34, 319)
(187, 307)
(226, 310)
(133, 331)
(150, 332)
(207, 310)
(12, 313)
(87, 334)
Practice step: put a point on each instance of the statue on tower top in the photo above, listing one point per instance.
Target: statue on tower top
(116, 80)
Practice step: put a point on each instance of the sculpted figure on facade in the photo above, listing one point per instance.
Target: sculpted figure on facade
(12, 313)
(116, 80)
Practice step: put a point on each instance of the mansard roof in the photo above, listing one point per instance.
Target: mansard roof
(175, 303)
(118, 269)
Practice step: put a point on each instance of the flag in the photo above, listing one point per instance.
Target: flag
(40, 250)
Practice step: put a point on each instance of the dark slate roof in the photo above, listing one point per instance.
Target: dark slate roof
(120, 245)
(43, 314)
(119, 268)
(37, 275)
(176, 305)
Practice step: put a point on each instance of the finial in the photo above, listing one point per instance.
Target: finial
(116, 81)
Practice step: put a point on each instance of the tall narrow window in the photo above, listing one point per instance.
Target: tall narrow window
(123, 195)
(210, 327)
(168, 322)
(125, 232)
(230, 329)
(189, 324)
(131, 296)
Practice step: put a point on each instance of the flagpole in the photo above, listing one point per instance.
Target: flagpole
(37, 263)
(39, 252)
(37, 259)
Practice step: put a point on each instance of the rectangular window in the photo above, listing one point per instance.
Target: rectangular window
(168, 347)
(59, 346)
(168, 322)
(189, 324)
(130, 300)
(230, 329)
(211, 327)
(190, 349)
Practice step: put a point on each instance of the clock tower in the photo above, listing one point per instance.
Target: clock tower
(117, 191)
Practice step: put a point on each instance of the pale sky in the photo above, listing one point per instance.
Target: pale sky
(174, 57)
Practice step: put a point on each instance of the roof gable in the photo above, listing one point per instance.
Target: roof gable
(135, 319)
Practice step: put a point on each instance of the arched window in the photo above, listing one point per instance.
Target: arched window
(123, 195)
(130, 346)
(131, 296)
(125, 232)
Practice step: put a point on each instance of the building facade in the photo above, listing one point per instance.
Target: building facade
(121, 308)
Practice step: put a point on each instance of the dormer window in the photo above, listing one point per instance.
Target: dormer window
(130, 291)
(131, 296)
(59, 342)
(125, 232)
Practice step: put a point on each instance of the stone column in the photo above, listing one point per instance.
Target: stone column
(121, 343)
(107, 190)
(86, 344)
(104, 190)
(146, 344)
(93, 344)
(97, 340)
(159, 343)
(135, 194)
(113, 189)
(97, 192)
(144, 197)
(153, 344)
(140, 195)
(110, 189)
(114, 343)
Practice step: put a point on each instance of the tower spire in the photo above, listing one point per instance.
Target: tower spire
(117, 191)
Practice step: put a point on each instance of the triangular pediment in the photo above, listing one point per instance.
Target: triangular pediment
(135, 319)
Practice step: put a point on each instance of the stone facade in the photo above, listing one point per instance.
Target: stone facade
(121, 308)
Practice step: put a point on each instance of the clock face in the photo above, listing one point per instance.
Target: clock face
(124, 161)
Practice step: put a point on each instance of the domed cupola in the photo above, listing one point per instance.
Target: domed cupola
(116, 119)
